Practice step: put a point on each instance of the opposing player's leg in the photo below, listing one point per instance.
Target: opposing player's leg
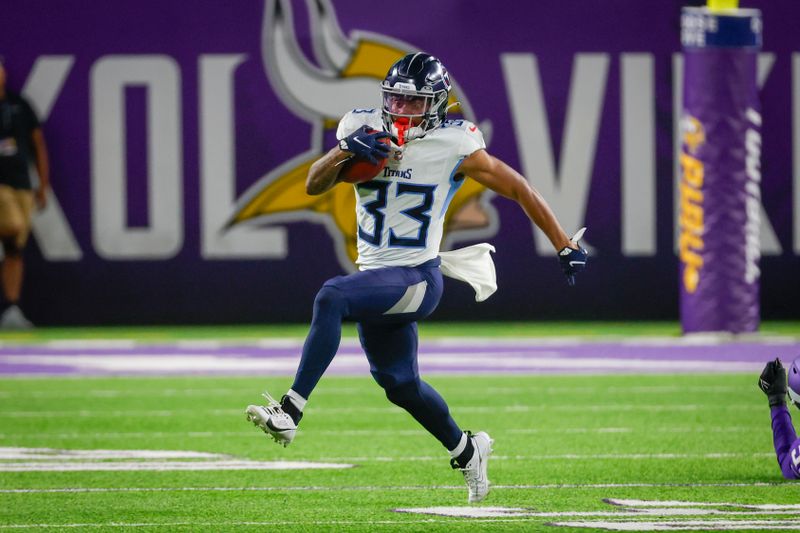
(392, 353)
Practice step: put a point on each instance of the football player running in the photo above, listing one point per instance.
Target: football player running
(774, 384)
(400, 217)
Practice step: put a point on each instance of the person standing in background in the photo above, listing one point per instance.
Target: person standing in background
(21, 141)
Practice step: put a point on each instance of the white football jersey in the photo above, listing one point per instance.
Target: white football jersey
(401, 212)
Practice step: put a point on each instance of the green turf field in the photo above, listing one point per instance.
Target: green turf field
(563, 445)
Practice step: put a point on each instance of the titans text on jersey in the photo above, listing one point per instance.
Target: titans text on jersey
(401, 212)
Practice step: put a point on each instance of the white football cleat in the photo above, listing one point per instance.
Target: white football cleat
(475, 471)
(272, 420)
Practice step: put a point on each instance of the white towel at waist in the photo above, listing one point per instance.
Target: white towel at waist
(474, 265)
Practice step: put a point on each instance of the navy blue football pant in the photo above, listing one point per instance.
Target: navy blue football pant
(386, 304)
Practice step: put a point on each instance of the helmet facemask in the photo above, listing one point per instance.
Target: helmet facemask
(408, 113)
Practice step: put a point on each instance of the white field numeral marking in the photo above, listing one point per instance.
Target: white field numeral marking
(678, 515)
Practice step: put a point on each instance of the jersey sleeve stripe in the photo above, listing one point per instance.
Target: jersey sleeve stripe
(454, 186)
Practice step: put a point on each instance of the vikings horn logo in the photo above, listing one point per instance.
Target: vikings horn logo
(348, 77)
(694, 134)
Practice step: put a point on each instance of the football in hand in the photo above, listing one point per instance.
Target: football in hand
(357, 170)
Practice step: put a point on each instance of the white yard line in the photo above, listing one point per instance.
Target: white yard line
(51, 454)
(83, 413)
(349, 391)
(485, 512)
(528, 431)
(348, 432)
(614, 526)
(371, 488)
(239, 524)
(132, 434)
(675, 503)
(565, 456)
(373, 432)
(614, 389)
(127, 393)
(164, 466)
(686, 525)
(339, 462)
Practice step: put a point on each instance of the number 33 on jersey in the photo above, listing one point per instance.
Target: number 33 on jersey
(401, 212)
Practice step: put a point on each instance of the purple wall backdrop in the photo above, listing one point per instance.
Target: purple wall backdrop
(138, 250)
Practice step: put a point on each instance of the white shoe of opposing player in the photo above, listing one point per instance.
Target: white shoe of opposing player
(272, 420)
(475, 471)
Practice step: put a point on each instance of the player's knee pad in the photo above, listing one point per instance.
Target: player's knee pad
(404, 395)
(11, 248)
